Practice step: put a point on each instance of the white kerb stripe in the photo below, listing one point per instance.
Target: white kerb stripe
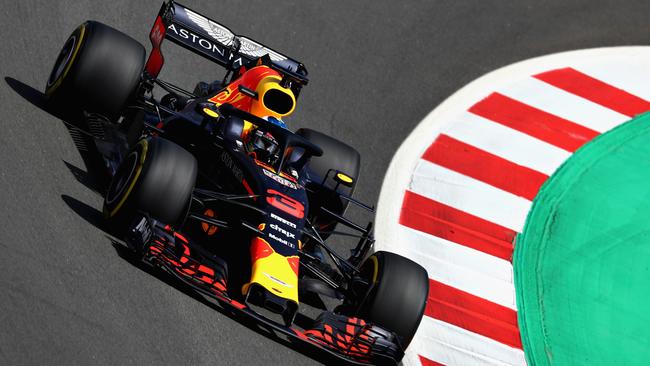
(429, 246)
(634, 78)
(469, 195)
(451, 345)
(506, 143)
(550, 99)
(471, 280)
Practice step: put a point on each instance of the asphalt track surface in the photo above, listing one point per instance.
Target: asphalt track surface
(69, 295)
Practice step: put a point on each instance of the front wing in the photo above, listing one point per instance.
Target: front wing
(348, 338)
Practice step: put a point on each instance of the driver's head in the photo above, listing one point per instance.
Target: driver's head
(263, 145)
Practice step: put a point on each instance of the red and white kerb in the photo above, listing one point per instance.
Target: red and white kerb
(458, 191)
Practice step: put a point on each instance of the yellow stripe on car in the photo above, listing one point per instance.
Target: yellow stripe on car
(77, 46)
(375, 272)
(136, 175)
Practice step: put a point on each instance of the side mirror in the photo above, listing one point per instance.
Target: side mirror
(343, 178)
(208, 110)
(232, 128)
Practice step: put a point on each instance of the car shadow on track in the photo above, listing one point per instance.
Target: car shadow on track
(39, 99)
(97, 177)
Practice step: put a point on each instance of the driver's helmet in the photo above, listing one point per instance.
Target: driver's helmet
(263, 145)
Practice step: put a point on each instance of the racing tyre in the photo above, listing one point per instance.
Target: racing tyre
(157, 177)
(337, 156)
(397, 296)
(97, 70)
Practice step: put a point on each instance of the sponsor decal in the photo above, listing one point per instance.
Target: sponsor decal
(207, 228)
(227, 161)
(254, 49)
(279, 179)
(282, 220)
(202, 43)
(284, 232)
(285, 203)
(156, 59)
(285, 242)
(226, 37)
(157, 32)
(217, 31)
(228, 95)
(277, 280)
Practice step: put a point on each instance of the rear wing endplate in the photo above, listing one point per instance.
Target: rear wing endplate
(213, 41)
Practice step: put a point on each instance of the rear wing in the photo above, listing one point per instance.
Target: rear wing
(213, 41)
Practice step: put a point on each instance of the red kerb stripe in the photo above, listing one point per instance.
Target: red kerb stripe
(423, 214)
(534, 122)
(575, 82)
(473, 313)
(427, 362)
(488, 168)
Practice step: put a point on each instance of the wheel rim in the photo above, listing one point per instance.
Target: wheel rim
(121, 180)
(62, 60)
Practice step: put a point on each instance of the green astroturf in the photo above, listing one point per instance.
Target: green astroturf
(582, 263)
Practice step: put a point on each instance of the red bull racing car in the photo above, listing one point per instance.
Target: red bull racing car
(212, 187)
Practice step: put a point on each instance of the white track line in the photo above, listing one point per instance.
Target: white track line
(563, 104)
(469, 195)
(519, 148)
(439, 342)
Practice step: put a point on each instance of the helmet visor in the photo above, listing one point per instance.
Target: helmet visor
(266, 144)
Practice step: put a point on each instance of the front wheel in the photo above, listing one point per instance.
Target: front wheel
(157, 177)
(397, 296)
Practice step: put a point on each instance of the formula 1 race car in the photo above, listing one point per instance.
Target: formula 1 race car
(212, 187)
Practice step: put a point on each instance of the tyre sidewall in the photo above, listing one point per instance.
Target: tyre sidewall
(161, 185)
(165, 187)
(398, 294)
(57, 87)
(117, 204)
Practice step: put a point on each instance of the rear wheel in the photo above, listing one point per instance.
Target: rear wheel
(157, 177)
(337, 157)
(397, 296)
(97, 70)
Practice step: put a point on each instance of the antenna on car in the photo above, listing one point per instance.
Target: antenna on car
(234, 49)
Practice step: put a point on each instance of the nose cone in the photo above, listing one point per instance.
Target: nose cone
(273, 271)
